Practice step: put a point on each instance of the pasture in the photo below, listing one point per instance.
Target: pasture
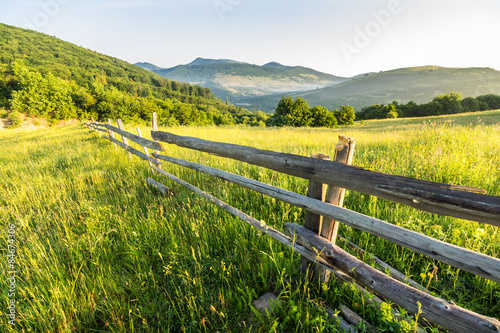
(97, 250)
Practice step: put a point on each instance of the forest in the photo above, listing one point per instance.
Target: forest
(43, 76)
(297, 113)
(449, 103)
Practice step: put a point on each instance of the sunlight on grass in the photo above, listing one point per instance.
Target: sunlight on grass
(97, 250)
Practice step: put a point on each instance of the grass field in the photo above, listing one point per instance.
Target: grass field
(99, 251)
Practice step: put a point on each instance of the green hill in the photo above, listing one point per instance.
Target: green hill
(234, 80)
(418, 84)
(45, 76)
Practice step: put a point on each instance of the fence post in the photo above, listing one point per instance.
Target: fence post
(111, 133)
(155, 128)
(124, 139)
(344, 152)
(92, 126)
(313, 221)
(145, 149)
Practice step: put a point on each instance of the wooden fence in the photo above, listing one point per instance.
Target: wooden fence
(316, 241)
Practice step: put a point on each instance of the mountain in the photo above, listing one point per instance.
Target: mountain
(44, 76)
(418, 84)
(148, 66)
(235, 80)
(274, 64)
(203, 61)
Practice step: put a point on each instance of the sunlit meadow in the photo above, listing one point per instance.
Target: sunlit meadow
(97, 250)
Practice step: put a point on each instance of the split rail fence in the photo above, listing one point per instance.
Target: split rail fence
(315, 241)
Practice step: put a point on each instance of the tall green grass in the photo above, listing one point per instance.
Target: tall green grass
(99, 251)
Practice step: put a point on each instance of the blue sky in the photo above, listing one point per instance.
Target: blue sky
(340, 37)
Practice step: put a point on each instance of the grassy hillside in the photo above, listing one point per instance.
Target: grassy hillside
(234, 80)
(99, 85)
(97, 250)
(418, 84)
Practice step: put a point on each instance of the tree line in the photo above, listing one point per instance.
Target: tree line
(297, 113)
(51, 97)
(449, 103)
(43, 76)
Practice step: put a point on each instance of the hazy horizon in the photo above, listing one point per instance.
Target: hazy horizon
(332, 36)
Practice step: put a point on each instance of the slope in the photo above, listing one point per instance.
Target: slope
(97, 85)
(235, 80)
(418, 84)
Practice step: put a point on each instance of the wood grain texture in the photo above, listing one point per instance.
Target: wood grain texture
(313, 221)
(135, 138)
(429, 196)
(435, 310)
(467, 260)
(159, 186)
(134, 151)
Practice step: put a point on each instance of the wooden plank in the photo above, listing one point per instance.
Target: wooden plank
(145, 149)
(134, 151)
(154, 121)
(313, 221)
(355, 319)
(370, 297)
(159, 186)
(435, 310)
(124, 138)
(344, 152)
(101, 130)
(343, 325)
(467, 260)
(335, 196)
(441, 310)
(110, 133)
(135, 138)
(425, 195)
(384, 266)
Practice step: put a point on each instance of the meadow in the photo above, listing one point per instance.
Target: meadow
(97, 250)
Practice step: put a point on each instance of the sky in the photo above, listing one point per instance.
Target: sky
(339, 37)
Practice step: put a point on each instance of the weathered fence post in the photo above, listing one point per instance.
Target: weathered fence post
(92, 126)
(111, 133)
(155, 128)
(145, 149)
(312, 221)
(344, 152)
(124, 139)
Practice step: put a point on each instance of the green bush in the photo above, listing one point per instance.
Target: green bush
(15, 119)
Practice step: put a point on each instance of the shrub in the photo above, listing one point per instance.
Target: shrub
(15, 119)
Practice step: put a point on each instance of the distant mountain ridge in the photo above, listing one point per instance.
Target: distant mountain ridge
(234, 80)
(418, 84)
(203, 61)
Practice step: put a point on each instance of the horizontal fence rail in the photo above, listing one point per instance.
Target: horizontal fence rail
(467, 260)
(443, 199)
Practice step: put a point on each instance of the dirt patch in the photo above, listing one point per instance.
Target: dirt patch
(35, 123)
(68, 122)
(4, 123)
